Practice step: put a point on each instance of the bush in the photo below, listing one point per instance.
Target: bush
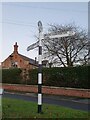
(68, 77)
(33, 75)
(76, 77)
(11, 76)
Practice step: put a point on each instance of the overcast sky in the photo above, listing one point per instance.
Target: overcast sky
(19, 22)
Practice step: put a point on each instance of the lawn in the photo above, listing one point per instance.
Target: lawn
(13, 108)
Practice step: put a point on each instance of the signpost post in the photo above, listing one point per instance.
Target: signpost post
(40, 68)
(39, 45)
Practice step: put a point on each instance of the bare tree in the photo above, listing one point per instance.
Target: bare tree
(66, 51)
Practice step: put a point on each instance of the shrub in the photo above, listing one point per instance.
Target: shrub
(68, 77)
(11, 76)
(76, 77)
(33, 75)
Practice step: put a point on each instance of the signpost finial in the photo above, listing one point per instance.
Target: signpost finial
(40, 26)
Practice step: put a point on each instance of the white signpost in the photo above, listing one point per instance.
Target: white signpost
(31, 47)
(1, 92)
(69, 33)
(39, 45)
(35, 45)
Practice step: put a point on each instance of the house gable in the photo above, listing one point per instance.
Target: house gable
(18, 60)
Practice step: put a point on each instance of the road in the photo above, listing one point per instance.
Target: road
(70, 102)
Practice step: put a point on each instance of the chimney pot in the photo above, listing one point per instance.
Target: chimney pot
(16, 48)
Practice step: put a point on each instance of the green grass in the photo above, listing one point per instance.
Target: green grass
(13, 108)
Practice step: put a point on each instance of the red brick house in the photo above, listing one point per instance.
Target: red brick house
(18, 60)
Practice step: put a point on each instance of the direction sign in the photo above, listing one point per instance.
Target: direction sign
(31, 47)
(69, 33)
(34, 45)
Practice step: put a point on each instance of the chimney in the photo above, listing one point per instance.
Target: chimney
(16, 48)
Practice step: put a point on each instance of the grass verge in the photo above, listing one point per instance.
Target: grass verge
(13, 108)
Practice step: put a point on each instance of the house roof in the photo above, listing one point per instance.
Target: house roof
(31, 61)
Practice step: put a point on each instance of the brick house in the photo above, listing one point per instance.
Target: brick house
(18, 60)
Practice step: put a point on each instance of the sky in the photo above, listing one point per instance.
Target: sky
(19, 22)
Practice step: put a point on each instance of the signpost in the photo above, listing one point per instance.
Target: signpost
(69, 33)
(39, 45)
(40, 68)
(33, 46)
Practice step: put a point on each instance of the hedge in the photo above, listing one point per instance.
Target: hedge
(12, 76)
(76, 77)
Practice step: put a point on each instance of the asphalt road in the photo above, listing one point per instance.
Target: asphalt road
(70, 102)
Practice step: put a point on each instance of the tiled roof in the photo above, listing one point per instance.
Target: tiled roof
(31, 61)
